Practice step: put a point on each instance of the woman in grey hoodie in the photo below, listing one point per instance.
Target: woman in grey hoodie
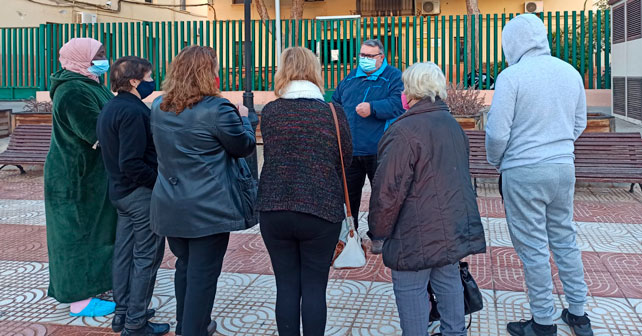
(538, 111)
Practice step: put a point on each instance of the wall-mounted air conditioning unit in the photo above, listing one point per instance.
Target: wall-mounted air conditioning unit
(82, 17)
(533, 7)
(430, 8)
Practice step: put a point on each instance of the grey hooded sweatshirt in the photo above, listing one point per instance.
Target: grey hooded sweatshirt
(539, 106)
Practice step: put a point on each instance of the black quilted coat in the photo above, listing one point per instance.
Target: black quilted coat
(422, 202)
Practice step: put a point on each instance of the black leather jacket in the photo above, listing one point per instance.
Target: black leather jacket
(201, 176)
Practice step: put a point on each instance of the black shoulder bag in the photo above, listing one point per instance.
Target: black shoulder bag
(473, 301)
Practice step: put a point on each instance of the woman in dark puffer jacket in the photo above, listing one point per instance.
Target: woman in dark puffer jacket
(423, 205)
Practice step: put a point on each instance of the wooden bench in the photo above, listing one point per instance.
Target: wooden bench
(599, 157)
(29, 145)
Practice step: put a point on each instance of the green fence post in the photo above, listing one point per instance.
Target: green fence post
(583, 44)
(466, 54)
(437, 41)
(574, 40)
(20, 57)
(407, 51)
(42, 77)
(550, 30)
(414, 39)
(332, 42)
(598, 53)
(421, 39)
(344, 59)
(488, 51)
(393, 41)
(444, 44)
(607, 50)
(473, 56)
(458, 50)
(325, 53)
(496, 45)
(566, 30)
(450, 49)
(481, 51)
(163, 54)
(590, 50)
(502, 49)
(558, 34)
(240, 59)
(33, 57)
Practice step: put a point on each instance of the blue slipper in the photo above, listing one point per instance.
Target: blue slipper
(96, 307)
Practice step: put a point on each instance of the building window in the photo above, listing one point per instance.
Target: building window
(148, 1)
(238, 2)
(385, 7)
(183, 5)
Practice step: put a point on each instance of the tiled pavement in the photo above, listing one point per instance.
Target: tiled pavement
(360, 301)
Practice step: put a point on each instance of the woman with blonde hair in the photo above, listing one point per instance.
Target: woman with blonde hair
(301, 192)
(198, 197)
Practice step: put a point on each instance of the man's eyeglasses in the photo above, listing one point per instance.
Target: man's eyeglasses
(369, 55)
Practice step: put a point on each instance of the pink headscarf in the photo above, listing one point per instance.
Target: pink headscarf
(77, 54)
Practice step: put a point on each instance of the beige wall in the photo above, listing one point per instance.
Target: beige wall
(226, 10)
(25, 13)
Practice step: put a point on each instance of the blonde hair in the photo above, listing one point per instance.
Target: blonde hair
(190, 78)
(297, 63)
(424, 80)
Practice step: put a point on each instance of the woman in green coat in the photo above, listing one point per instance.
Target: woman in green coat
(81, 222)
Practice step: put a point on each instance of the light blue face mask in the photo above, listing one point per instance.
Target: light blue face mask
(367, 64)
(99, 67)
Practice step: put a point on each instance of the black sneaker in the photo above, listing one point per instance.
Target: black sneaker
(118, 323)
(531, 328)
(150, 329)
(581, 325)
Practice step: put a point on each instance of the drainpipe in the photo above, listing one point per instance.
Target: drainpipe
(277, 5)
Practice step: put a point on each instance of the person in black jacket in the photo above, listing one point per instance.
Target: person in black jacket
(130, 160)
(202, 188)
(423, 205)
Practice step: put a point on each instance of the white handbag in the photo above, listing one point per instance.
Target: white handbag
(350, 252)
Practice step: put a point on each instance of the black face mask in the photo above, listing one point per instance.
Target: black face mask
(146, 88)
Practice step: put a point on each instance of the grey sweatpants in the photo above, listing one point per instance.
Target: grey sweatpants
(539, 210)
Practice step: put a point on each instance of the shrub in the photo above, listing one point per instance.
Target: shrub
(33, 106)
(464, 102)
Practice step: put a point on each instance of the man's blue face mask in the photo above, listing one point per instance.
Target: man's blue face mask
(99, 67)
(367, 64)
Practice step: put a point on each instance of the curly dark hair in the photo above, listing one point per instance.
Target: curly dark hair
(191, 76)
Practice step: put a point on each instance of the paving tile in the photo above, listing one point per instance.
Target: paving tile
(26, 212)
(612, 316)
(28, 186)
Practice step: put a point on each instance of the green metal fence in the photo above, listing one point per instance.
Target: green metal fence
(30, 55)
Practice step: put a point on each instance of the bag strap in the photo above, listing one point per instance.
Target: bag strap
(343, 168)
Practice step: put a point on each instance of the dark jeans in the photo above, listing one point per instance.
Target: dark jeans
(198, 267)
(138, 254)
(301, 247)
(356, 178)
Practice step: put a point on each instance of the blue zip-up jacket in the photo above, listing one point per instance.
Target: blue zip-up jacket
(382, 89)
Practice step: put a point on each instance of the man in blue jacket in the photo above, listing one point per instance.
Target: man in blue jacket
(370, 97)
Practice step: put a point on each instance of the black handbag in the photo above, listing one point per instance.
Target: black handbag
(473, 301)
